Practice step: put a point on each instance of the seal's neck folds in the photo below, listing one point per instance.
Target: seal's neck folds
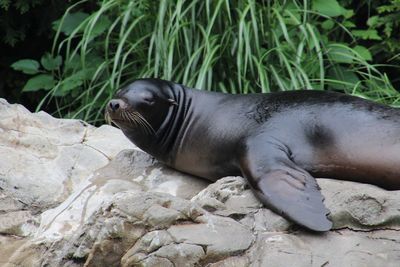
(174, 122)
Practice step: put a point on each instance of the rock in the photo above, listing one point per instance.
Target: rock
(344, 248)
(218, 235)
(150, 242)
(361, 206)
(75, 195)
(159, 217)
(236, 261)
(232, 197)
(181, 254)
(40, 152)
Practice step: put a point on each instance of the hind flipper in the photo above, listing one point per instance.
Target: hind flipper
(285, 187)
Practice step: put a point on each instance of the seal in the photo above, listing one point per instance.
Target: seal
(278, 141)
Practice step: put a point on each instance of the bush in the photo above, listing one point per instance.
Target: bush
(237, 46)
(25, 32)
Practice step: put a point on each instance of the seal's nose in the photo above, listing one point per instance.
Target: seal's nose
(115, 104)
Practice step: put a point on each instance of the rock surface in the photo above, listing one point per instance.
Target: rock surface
(75, 195)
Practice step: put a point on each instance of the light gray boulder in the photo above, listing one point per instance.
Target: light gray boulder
(75, 195)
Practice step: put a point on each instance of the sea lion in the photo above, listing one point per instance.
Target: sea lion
(278, 141)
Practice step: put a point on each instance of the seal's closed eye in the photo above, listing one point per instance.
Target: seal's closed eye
(148, 100)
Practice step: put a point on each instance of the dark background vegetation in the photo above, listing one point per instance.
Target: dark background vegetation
(69, 57)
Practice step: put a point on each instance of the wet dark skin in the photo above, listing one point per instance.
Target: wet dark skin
(279, 142)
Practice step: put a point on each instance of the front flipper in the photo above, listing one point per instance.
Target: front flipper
(285, 187)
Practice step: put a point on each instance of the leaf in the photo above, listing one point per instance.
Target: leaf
(324, 39)
(366, 34)
(340, 53)
(346, 79)
(5, 4)
(373, 21)
(348, 24)
(50, 63)
(73, 63)
(388, 29)
(347, 13)
(363, 52)
(94, 59)
(73, 81)
(329, 8)
(101, 25)
(22, 6)
(70, 23)
(41, 81)
(28, 66)
(13, 36)
(386, 8)
(327, 24)
(291, 14)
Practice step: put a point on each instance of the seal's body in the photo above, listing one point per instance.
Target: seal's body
(276, 141)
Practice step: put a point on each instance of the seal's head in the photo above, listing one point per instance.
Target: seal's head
(141, 108)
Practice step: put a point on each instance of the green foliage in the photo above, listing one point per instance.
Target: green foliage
(363, 52)
(25, 33)
(376, 26)
(68, 24)
(366, 34)
(386, 25)
(237, 46)
(50, 63)
(11, 31)
(27, 66)
(41, 81)
(329, 8)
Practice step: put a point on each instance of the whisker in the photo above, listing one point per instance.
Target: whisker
(107, 117)
(143, 125)
(146, 126)
(132, 117)
(123, 116)
(149, 127)
(135, 118)
(129, 118)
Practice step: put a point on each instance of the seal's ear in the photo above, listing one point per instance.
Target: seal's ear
(172, 102)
